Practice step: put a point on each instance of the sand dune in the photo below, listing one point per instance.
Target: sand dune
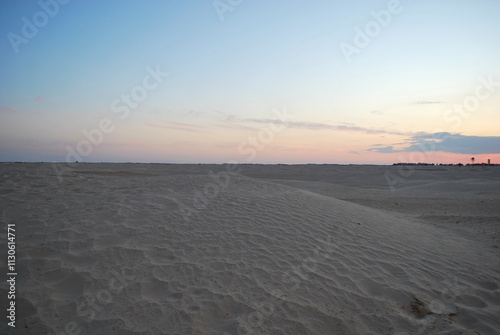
(166, 249)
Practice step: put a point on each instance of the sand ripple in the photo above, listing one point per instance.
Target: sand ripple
(110, 253)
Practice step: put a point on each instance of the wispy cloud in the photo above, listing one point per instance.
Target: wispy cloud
(447, 142)
(427, 102)
(327, 126)
(232, 122)
(192, 113)
(226, 115)
(384, 150)
(236, 126)
(177, 126)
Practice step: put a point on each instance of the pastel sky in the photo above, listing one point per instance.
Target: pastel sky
(285, 81)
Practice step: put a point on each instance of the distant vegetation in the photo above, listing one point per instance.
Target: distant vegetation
(441, 164)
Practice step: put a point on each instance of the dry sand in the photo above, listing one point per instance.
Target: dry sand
(309, 249)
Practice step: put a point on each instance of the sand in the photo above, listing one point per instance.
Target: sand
(252, 249)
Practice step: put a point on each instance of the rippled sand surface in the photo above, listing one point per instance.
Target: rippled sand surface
(215, 249)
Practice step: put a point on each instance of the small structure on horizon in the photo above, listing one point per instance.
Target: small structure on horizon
(489, 162)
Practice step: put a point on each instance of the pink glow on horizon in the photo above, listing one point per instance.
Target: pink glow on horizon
(184, 152)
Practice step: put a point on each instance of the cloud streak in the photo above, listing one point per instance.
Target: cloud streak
(232, 122)
(177, 126)
(447, 142)
(326, 126)
(425, 102)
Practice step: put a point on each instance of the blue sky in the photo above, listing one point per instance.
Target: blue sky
(228, 71)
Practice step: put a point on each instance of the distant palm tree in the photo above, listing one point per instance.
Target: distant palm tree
(472, 160)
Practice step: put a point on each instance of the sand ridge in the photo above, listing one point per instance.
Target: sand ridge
(111, 253)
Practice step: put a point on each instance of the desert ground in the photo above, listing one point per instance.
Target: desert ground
(252, 249)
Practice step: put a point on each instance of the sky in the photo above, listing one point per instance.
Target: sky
(285, 81)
